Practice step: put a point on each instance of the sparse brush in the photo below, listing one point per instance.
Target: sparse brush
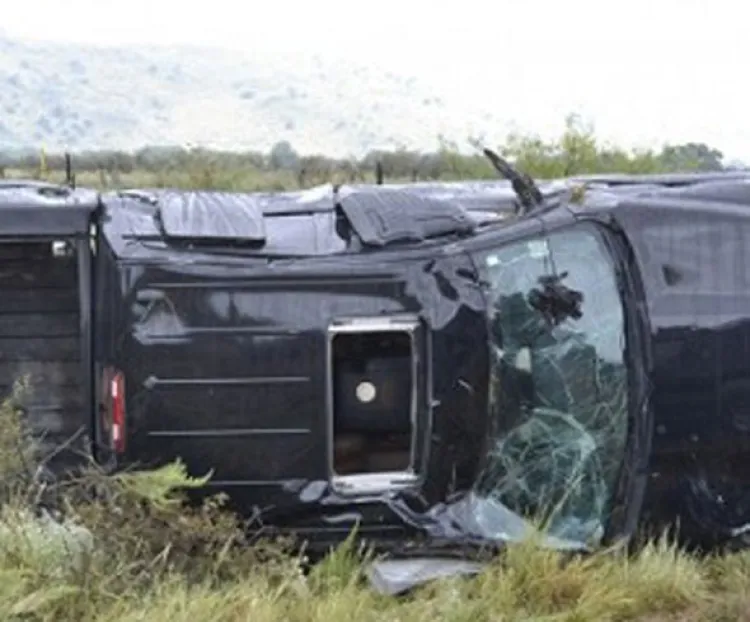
(128, 546)
(17, 447)
(575, 151)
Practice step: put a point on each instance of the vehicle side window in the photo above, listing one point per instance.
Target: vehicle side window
(558, 396)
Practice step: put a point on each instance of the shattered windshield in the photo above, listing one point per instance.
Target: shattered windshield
(558, 392)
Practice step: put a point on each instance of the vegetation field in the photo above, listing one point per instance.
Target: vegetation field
(576, 151)
(129, 549)
(126, 548)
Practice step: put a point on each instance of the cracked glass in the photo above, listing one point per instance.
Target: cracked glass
(558, 391)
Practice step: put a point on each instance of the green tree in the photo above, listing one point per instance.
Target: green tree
(693, 156)
(283, 156)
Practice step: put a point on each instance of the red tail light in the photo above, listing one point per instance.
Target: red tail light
(117, 391)
(113, 420)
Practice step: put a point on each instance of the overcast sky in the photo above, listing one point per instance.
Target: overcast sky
(644, 71)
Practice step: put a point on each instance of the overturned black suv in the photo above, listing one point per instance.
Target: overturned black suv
(430, 361)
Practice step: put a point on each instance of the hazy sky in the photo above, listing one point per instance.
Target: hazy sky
(644, 71)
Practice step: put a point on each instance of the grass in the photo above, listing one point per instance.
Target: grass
(147, 556)
(526, 584)
(236, 180)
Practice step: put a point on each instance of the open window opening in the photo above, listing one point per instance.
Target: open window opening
(373, 398)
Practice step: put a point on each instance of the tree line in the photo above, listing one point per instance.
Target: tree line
(576, 151)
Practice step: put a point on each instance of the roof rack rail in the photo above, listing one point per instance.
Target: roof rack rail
(659, 179)
(43, 188)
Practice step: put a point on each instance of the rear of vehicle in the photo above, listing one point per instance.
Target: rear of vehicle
(46, 314)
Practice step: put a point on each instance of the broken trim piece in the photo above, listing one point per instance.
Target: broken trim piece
(394, 577)
(526, 190)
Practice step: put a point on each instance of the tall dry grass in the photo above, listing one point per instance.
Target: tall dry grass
(125, 547)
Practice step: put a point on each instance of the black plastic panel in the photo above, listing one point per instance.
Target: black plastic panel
(212, 217)
(381, 217)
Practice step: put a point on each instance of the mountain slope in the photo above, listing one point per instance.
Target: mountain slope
(79, 97)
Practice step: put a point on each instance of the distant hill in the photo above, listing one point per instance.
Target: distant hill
(78, 97)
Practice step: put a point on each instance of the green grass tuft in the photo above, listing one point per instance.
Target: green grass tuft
(136, 552)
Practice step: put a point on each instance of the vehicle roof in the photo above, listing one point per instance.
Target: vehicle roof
(309, 222)
(626, 191)
(306, 222)
(41, 209)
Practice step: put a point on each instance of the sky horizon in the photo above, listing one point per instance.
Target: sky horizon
(655, 72)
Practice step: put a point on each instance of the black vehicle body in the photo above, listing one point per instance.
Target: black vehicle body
(371, 357)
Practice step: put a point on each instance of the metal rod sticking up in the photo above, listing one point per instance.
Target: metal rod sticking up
(528, 193)
(70, 178)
